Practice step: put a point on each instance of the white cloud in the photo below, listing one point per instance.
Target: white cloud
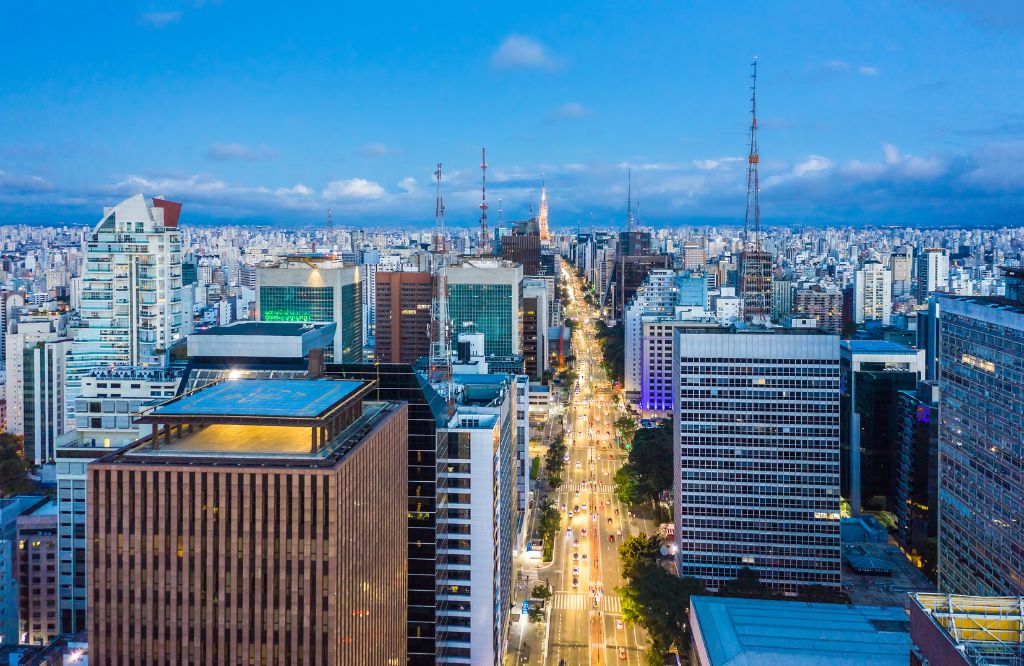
(408, 184)
(712, 164)
(891, 152)
(866, 70)
(230, 152)
(298, 189)
(570, 110)
(835, 66)
(160, 19)
(811, 164)
(9, 181)
(353, 188)
(523, 51)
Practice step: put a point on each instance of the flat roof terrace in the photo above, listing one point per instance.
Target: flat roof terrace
(253, 417)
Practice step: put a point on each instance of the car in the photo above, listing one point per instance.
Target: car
(583, 532)
(575, 581)
(618, 624)
(576, 508)
(618, 532)
(575, 556)
(584, 505)
(576, 543)
(578, 465)
(568, 532)
(594, 516)
(609, 520)
(611, 537)
(575, 571)
(584, 556)
(622, 653)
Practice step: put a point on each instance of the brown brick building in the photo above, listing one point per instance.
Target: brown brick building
(264, 522)
(403, 316)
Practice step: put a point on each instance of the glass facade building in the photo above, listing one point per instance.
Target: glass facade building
(323, 290)
(756, 426)
(485, 296)
(981, 450)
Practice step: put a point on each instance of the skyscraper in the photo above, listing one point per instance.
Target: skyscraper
(484, 295)
(981, 459)
(872, 293)
(535, 328)
(243, 530)
(403, 316)
(824, 306)
(316, 288)
(756, 426)
(932, 272)
(131, 290)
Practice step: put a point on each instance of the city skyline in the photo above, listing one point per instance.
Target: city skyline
(887, 116)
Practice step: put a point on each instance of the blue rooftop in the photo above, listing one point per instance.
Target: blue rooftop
(262, 397)
(876, 347)
(745, 632)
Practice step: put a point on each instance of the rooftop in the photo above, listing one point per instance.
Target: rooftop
(747, 632)
(880, 574)
(283, 328)
(876, 347)
(283, 398)
(986, 631)
(994, 302)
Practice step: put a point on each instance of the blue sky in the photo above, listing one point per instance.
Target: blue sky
(871, 112)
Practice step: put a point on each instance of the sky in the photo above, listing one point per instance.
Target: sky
(905, 113)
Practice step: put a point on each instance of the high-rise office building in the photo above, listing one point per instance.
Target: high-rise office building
(242, 530)
(522, 246)
(872, 373)
(476, 536)
(535, 328)
(484, 295)
(36, 562)
(403, 316)
(782, 299)
(981, 460)
(315, 288)
(631, 271)
(756, 427)
(131, 290)
(36, 386)
(695, 257)
(12, 508)
(872, 293)
(916, 469)
(932, 272)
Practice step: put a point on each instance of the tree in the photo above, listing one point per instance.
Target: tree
(14, 479)
(626, 425)
(648, 472)
(747, 585)
(628, 487)
(638, 551)
(659, 601)
(822, 594)
(613, 349)
(541, 592)
(535, 614)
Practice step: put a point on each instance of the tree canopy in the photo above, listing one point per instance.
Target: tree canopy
(648, 470)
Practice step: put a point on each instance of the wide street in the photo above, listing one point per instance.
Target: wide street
(585, 615)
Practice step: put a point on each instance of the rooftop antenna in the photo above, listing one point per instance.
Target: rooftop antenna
(638, 205)
(330, 219)
(440, 372)
(484, 245)
(499, 211)
(755, 277)
(629, 199)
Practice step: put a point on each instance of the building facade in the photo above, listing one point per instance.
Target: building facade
(932, 272)
(312, 288)
(131, 290)
(403, 316)
(872, 294)
(981, 456)
(756, 426)
(252, 536)
(825, 306)
(484, 295)
(37, 575)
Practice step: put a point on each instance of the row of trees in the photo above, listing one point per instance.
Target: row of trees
(554, 461)
(613, 349)
(549, 521)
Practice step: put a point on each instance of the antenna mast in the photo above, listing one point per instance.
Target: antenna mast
(484, 246)
(440, 373)
(756, 275)
(330, 219)
(629, 199)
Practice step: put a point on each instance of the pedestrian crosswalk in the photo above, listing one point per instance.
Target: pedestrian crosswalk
(576, 486)
(610, 603)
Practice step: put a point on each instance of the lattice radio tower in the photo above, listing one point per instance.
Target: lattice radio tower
(755, 277)
(440, 372)
(484, 243)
